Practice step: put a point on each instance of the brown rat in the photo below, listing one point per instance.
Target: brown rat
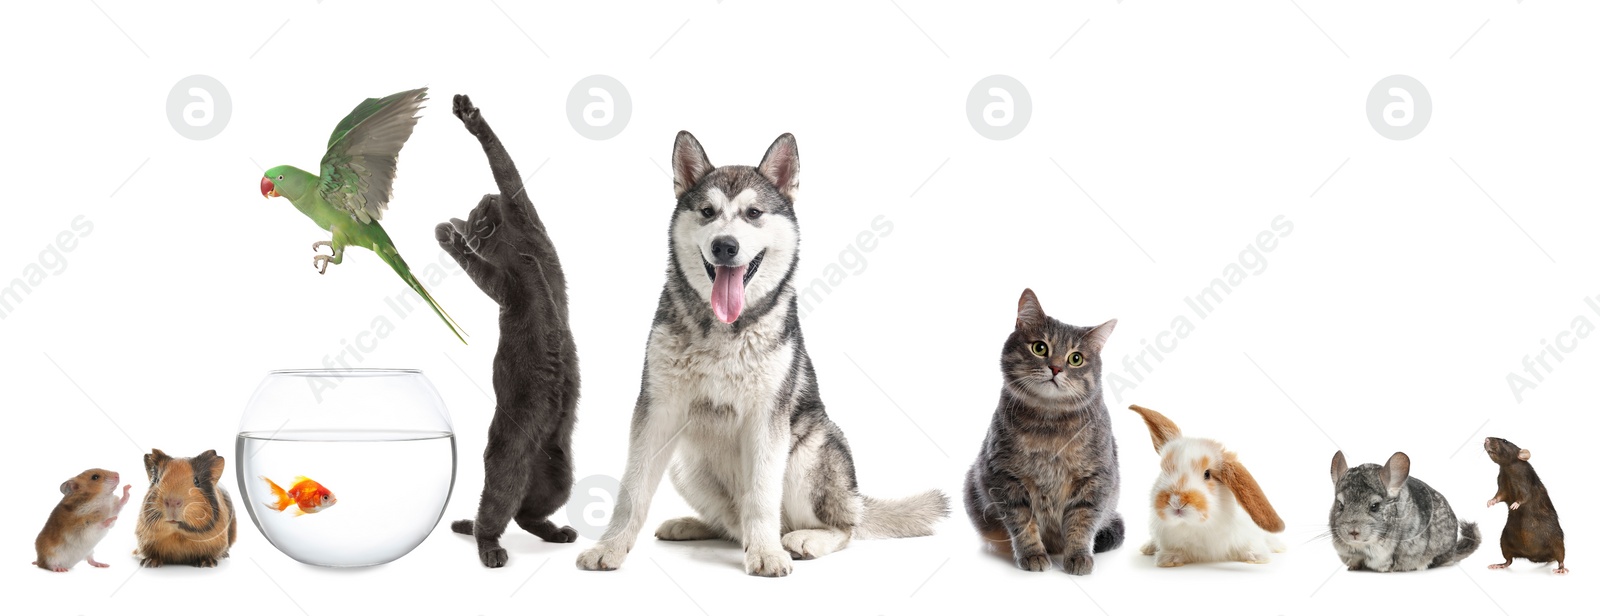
(1533, 530)
(187, 519)
(88, 508)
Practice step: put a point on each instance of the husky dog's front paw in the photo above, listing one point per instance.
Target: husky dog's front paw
(809, 543)
(1033, 562)
(767, 561)
(602, 557)
(1079, 563)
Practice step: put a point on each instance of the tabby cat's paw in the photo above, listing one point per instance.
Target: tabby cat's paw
(1080, 563)
(1033, 562)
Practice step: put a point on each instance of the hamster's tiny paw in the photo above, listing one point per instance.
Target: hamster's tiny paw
(1033, 562)
(602, 557)
(109, 521)
(768, 561)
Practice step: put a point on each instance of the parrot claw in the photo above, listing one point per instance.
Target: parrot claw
(321, 263)
(316, 246)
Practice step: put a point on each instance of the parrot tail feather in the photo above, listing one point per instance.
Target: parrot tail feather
(404, 271)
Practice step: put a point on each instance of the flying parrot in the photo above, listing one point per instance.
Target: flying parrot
(350, 195)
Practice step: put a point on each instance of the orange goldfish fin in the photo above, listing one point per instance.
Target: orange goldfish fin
(282, 500)
(299, 512)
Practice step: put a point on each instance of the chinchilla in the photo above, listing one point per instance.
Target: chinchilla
(1383, 519)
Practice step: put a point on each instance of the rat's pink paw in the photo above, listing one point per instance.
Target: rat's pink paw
(1499, 566)
(1561, 571)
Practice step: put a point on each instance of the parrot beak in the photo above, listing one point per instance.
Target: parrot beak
(267, 189)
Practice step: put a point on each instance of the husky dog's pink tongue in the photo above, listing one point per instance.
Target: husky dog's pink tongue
(727, 293)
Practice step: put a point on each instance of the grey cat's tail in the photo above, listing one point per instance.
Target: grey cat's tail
(1469, 542)
(912, 516)
(462, 526)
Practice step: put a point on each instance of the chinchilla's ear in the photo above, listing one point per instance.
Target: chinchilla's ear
(689, 163)
(1162, 430)
(1249, 493)
(1339, 467)
(1394, 473)
(1029, 313)
(1524, 455)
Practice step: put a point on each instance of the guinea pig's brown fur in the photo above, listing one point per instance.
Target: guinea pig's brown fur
(1533, 530)
(187, 519)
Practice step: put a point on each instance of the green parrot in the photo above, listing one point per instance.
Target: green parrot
(349, 197)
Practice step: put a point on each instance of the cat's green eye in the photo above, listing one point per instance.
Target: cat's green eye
(1040, 348)
(1075, 359)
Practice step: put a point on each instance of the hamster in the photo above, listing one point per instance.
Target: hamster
(187, 518)
(1533, 530)
(1383, 519)
(88, 508)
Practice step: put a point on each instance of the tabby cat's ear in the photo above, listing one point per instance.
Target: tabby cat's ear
(1029, 313)
(1096, 338)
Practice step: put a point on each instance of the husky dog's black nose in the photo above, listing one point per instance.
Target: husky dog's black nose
(724, 249)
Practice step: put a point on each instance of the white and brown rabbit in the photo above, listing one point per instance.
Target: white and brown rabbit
(1205, 507)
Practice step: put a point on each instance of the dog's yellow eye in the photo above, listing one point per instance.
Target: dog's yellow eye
(1040, 348)
(1075, 359)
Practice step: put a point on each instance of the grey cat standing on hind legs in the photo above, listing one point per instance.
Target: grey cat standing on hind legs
(504, 249)
(1046, 481)
(729, 394)
(1383, 519)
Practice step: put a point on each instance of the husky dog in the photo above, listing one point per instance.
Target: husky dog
(729, 389)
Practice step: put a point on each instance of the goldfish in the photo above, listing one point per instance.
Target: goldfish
(306, 495)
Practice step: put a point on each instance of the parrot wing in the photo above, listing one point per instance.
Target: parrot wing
(358, 169)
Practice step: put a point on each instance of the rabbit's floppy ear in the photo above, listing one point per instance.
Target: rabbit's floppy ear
(1394, 473)
(1249, 494)
(1162, 430)
(1339, 467)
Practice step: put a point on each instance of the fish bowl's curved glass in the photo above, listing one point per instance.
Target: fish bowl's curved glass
(379, 442)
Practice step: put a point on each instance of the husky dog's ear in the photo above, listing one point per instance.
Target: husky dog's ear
(689, 163)
(781, 165)
(1029, 313)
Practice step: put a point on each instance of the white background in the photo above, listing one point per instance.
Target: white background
(1418, 274)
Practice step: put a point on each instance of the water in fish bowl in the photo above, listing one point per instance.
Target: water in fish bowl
(346, 498)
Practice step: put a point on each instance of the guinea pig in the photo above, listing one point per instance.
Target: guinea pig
(187, 518)
(1533, 530)
(88, 508)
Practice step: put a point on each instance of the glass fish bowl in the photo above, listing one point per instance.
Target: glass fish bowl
(345, 468)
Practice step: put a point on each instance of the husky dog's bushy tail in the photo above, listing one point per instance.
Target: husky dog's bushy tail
(911, 516)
